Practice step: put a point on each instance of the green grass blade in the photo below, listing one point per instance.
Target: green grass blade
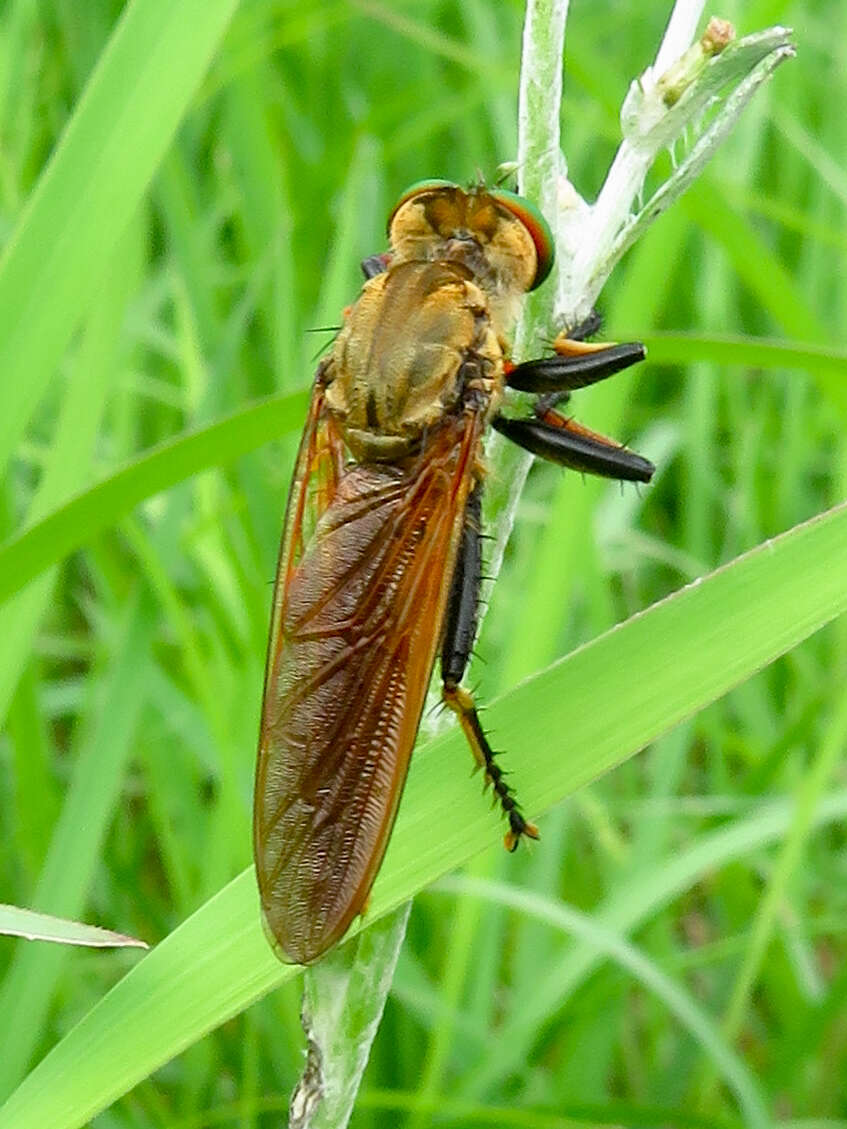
(642, 897)
(123, 123)
(67, 463)
(755, 264)
(77, 839)
(32, 926)
(609, 698)
(74, 524)
(733, 1071)
(810, 794)
(827, 364)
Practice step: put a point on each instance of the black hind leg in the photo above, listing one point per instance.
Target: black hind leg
(459, 632)
(552, 435)
(575, 365)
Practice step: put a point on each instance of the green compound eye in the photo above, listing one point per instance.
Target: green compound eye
(536, 225)
(420, 186)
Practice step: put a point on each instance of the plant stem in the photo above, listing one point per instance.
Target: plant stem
(344, 995)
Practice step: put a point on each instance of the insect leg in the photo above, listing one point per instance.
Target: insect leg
(374, 265)
(576, 365)
(585, 328)
(568, 443)
(459, 630)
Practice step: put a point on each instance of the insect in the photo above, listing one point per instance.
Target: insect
(380, 563)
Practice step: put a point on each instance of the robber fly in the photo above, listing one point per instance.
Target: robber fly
(380, 564)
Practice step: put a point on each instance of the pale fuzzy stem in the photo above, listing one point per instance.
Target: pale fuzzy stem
(591, 239)
(588, 243)
(359, 974)
(603, 220)
(343, 999)
(690, 167)
(679, 34)
(650, 126)
(542, 177)
(542, 171)
(540, 161)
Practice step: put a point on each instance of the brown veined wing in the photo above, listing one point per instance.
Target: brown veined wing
(362, 585)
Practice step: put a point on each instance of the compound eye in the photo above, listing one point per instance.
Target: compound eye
(535, 224)
(419, 188)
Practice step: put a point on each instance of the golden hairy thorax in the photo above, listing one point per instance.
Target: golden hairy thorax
(432, 326)
(418, 337)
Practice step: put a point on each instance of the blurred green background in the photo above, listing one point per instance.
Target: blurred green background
(130, 672)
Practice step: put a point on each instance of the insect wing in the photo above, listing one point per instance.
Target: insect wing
(358, 614)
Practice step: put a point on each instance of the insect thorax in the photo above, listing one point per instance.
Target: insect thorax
(414, 345)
